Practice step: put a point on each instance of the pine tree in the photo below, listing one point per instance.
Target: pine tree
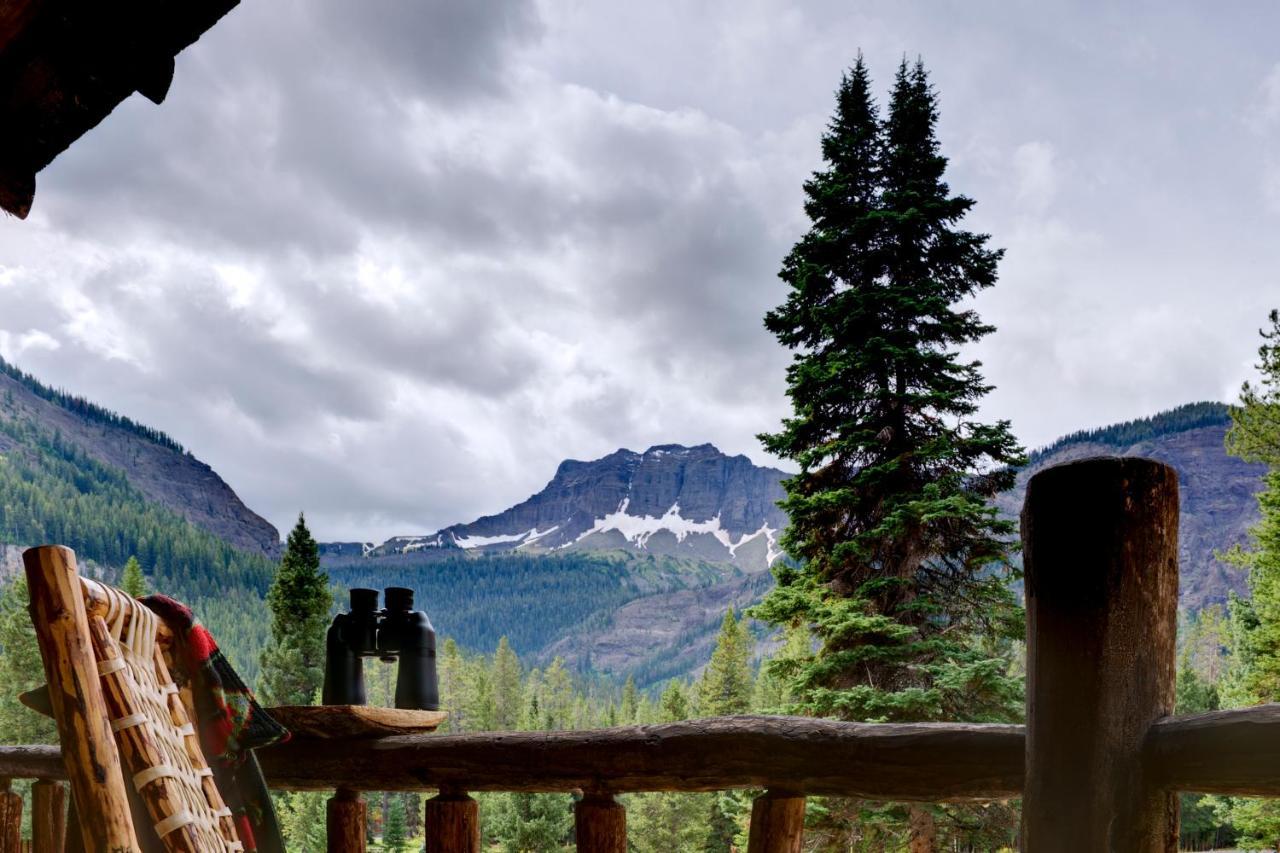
(20, 669)
(630, 701)
(727, 683)
(1253, 675)
(674, 703)
(393, 829)
(299, 601)
(132, 580)
(508, 698)
(899, 562)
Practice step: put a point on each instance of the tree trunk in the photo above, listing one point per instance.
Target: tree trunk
(923, 836)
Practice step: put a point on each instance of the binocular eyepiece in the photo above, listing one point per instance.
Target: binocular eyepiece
(397, 632)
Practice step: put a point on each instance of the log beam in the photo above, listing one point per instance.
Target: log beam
(777, 823)
(84, 726)
(600, 824)
(1221, 752)
(10, 819)
(48, 816)
(451, 823)
(914, 762)
(345, 822)
(1100, 549)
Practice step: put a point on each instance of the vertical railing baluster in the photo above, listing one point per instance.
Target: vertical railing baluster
(10, 819)
(1100, 545)
(345, 822)
(777, 823)
(600, 824)
(451, 823)
(48, 816)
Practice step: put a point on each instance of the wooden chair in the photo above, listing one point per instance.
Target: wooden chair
(121, 719)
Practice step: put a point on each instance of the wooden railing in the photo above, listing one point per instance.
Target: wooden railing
(1098, 764)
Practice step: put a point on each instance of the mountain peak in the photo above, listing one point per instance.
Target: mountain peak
(671, 499)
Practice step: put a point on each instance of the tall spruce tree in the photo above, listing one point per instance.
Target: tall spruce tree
(299, 601)
(899, 563)
(1253, 673)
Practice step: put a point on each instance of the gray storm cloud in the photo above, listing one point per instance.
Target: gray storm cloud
(390, 262)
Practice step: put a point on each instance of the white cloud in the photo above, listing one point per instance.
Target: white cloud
(1036, 173)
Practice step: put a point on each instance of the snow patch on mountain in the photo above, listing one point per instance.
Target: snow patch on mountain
(639, 529)
(518, 539)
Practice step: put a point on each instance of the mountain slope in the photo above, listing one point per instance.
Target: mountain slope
(77, 475)
(720, 512)
(1217, 491)
(153, 463)
(688, 502)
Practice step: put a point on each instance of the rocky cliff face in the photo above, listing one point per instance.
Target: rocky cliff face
(669, 500)
(1217, 492)
(161, 471)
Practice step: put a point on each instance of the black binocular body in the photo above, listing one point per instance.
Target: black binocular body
(396, 632)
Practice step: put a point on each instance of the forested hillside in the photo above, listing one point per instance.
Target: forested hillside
(151, 462)
(1217, 491)
(613, 613)
(55, 487)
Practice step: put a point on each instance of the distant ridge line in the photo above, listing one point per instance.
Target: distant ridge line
(87, 409)
(1178, 419)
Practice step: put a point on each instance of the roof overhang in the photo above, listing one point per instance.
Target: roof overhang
(66, 64)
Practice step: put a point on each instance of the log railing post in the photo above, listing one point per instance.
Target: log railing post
(600, 824)
(48, 816)
(10, 819)
(345, 822)
(84, 727)
(1100, 545)
(451, 823)
(777, 823)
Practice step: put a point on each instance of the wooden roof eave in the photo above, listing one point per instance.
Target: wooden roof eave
(66, 64)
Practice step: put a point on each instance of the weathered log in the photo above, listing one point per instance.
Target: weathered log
(48, 816)
(97, 603)
(777, 823)
(163, 795)
(451, 823)
(600, 824)
(1100, 546)
(346, 722)
(1222, 752)
(10, 819)
(945, 762)
(91, 760)
(75, 840)
(345, 822)
(38, 761)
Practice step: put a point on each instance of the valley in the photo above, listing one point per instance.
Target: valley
(622, 565)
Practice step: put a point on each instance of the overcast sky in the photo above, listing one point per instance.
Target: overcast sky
(389, 262)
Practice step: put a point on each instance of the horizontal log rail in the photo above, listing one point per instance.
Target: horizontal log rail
(1222, 752)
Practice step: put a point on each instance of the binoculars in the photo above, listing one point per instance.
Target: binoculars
(397, 632)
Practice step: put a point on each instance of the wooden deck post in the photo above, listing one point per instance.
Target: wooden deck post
(451, 823)
(48, 816)
(345, 822)
(10, 819)
(777, 823)
(1100, 545)
(84, 728)
(600, 824)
